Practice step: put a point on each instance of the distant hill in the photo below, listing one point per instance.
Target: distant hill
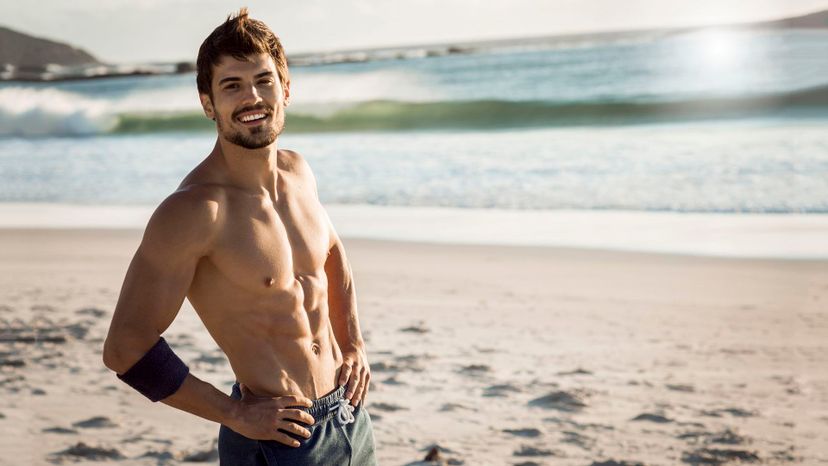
(25, 51)
(818, 19)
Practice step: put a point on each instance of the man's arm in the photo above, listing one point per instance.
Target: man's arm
(179, 234)
(342, 309)
(342, 300)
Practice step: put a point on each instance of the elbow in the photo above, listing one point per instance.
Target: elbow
(116, 356)
(110, 356)
(123, 349)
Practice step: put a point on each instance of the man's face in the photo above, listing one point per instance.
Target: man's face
(248, 101)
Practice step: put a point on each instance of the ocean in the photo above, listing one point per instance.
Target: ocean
(729, 122)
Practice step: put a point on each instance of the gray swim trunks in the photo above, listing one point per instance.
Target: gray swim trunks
(339, 437)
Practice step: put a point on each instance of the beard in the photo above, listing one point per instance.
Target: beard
(256, 137)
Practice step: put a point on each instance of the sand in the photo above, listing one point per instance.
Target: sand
(490, 354)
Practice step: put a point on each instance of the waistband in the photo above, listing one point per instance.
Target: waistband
(332, 404)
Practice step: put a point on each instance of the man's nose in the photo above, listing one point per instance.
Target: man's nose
(250, 95)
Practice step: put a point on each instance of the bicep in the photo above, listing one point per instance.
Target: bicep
(158, 279)
(153, 291)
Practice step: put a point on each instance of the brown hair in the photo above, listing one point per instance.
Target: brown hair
(238, 37)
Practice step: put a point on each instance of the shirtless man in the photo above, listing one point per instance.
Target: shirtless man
(247, 241)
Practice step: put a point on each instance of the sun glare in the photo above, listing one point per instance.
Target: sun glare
(721, 48)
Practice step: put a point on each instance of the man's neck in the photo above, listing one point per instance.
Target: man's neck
(252, 169)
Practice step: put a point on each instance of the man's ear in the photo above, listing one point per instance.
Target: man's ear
(207, 105)
(287, 92)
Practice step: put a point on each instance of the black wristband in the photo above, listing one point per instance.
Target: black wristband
(158, 374)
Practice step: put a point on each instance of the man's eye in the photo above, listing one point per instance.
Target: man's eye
(231, 86)
(266, 81)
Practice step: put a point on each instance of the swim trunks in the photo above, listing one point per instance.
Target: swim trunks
(340, 436)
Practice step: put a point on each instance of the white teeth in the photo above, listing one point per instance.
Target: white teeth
(256, 116)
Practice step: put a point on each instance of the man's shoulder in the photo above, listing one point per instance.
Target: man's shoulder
(189, 216)
(194, 201)
(293, 162)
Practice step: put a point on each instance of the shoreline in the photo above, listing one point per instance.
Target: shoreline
(758, 236)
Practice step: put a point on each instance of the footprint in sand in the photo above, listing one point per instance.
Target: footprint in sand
(736, 412)
(527, 450)
(561, 401)
(42, 308)
(474, 369)
(651, 417)
(577, 439)
(501, 390)
(409, 362)
(577, 371)
(59, 430)
(87, 452)
(527, 432)
(419, 328)
(163, 457)
(616, 463)
(97, 422)
(387, 407)
(447, 407)
(726, 437)
(680, 388)
(393, 381)
(436, 455)
(718, 456)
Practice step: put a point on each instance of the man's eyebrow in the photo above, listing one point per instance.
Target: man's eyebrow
(236, 78)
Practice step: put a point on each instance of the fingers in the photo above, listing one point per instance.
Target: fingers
(345, 372)
(364, 391)
(293, 400)
(294, 428)
(360, 388)
(296, 415)
(286, 439)
(353, 381)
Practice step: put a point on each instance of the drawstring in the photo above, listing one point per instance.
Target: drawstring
(345, 412)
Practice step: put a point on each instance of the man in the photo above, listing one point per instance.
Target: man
(247, 241)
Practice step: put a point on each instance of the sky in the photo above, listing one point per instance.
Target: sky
(136, 31)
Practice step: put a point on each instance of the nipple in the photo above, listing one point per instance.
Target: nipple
(268, 281)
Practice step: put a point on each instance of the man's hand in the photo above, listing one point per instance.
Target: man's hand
(356, 373)
(259, 418)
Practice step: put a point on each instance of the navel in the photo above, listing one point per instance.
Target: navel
(268, 281)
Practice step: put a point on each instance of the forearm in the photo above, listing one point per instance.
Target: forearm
(160, 375)
(342, 301)
(204, 400)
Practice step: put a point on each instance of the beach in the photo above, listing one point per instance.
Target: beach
(593, 250)
(493, 354)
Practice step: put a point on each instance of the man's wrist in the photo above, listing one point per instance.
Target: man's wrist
(231, 412)
(357, 346)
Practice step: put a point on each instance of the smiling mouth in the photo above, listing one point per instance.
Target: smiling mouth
(253, 118)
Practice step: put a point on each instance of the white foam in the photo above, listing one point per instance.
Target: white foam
(790, 236)
(41, 112)
(49, 111)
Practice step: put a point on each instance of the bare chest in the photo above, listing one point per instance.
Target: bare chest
(267, 244)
